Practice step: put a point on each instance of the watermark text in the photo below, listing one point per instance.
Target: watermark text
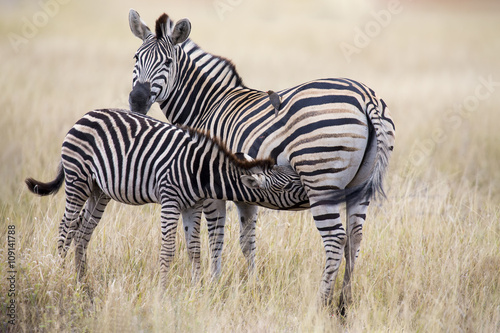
(31, 26)
(222, 7)
(453, 120)
(11, 274)
(364, 35)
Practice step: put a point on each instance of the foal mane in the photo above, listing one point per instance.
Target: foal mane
(264, 163)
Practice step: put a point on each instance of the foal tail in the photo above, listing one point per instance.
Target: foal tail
(51, 187)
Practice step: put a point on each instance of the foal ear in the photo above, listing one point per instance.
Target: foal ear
(137, 25)
(181, 31)
(250, 181)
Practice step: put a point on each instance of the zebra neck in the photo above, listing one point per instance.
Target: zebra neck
(203, 80)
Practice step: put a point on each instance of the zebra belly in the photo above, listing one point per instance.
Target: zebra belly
(131, 192)
(295, 207)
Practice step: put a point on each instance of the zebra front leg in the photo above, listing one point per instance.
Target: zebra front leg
(356, 214)
(169, 217)
(215, 214)
(327, 219)
(92, 214)
(191, 220)
(248, 221)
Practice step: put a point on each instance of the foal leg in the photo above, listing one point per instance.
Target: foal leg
(77, 194)
(191, 220)
(215, 213)
(248, 222)
(91, 216)
(169, 218)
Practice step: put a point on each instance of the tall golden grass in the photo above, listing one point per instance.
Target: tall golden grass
(430, 257)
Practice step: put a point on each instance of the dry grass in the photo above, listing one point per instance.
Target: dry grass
(430, 257)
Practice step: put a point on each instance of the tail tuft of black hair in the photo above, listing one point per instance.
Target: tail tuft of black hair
(43, 189)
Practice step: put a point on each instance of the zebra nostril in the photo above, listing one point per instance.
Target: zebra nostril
(141, 92)
(140, 98)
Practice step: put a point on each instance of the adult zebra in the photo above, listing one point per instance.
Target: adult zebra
(135, 159)
(335, 133)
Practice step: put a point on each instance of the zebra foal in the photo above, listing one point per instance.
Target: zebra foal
(135, 159)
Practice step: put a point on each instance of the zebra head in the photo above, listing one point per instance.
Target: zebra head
(155, 63)
(277, 179)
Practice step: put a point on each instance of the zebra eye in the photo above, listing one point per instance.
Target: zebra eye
(168, 61)
(288, 186)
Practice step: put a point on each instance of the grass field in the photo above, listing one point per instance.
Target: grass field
(430, 257)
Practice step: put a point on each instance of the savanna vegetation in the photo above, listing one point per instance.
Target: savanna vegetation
(430, 257)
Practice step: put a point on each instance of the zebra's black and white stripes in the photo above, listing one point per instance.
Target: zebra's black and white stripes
(135, 159)
(335, 133)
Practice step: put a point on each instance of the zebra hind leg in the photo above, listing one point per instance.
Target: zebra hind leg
(215, 214)
(70, 221)
(92, 214)
(248, 221)
(356, 214)
(327, 219)
(191, 220)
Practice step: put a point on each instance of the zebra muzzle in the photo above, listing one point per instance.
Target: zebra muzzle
(140, 100)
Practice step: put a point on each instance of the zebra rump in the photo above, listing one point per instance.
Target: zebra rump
(374, 165)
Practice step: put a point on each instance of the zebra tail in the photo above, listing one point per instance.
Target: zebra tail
(382, 130)
(43, 189)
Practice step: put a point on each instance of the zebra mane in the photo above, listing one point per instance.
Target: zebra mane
(162, 27)
(228, 63)
(232, 67)
(265, 163)
(192, 46)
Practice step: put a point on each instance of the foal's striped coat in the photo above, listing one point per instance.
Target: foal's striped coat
(135, 159)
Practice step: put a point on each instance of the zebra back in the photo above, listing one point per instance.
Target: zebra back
(130, 156)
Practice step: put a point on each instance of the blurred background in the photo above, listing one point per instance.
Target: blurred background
(435, 63)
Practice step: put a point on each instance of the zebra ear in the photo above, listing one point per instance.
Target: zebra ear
(251, 181)
(181, 31)
(245, 157)
(137, 25)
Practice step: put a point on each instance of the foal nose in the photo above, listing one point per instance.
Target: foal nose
(140, 97)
